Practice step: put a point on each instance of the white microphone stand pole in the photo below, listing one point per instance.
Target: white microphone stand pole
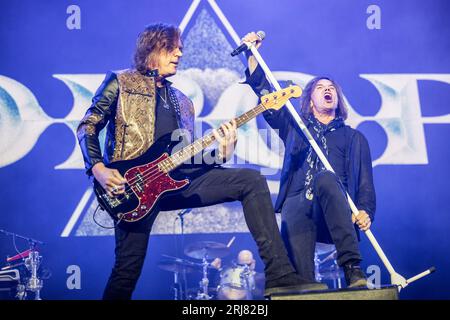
(396, 279)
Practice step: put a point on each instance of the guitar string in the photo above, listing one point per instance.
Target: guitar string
(147, 174)
(254, 110)
(181, 152)
(152, 173)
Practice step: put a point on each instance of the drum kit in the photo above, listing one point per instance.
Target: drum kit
(237, 282)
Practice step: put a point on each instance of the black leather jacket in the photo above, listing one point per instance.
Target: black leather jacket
(358, 159)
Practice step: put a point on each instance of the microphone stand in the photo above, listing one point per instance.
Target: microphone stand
(180, 285)
(15, 235)
(396, 278)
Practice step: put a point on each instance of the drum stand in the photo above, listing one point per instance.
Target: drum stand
(34, 284)
(246, 277)
(177, 287)
(317, 267)
(337, 282)
(177, 284)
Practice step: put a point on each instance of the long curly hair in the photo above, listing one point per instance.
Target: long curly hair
(305, 99)
(155, 38)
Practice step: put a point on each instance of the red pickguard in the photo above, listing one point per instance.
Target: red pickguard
(156, 183)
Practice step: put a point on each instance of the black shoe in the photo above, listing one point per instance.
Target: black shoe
(292, 282)
(354, 276)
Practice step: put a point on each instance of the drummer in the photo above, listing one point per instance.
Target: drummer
(244, 258)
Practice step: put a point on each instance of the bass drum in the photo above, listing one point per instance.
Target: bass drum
(236, 283)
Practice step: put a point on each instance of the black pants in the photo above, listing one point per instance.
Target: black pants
(208, 186)
(328, 214)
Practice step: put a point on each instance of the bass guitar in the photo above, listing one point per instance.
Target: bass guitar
(149, 175)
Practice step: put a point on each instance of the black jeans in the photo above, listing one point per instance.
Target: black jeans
(328, 214)
(208, 186)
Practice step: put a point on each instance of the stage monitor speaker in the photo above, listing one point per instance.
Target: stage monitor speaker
(383, 293)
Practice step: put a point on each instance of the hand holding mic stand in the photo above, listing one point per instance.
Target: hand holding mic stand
(246, 45)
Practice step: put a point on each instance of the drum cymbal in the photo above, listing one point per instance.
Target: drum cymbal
(206, 249)
(178, 265)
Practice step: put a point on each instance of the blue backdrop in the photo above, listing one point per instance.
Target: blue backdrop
(391, 60)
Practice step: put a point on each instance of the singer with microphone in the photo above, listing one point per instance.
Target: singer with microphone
(312, 201)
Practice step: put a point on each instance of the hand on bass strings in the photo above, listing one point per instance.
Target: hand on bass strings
(110, 179)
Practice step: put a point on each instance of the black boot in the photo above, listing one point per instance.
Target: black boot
(292, 282)
(354, 276)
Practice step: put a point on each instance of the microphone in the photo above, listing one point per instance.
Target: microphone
(245, 46)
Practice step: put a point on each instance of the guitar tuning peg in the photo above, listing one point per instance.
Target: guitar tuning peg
(289, 83)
